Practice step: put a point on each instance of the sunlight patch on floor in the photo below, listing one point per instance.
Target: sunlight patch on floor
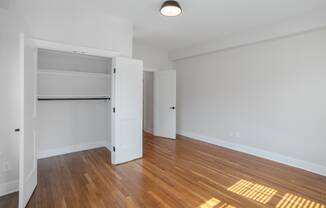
(253, 191)
(291, 201)
(225, 205)
(215, 203)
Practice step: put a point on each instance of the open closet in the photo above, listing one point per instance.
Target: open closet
(76, 98)
(73, 108)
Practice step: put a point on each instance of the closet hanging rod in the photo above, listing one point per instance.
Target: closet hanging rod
(84, 98)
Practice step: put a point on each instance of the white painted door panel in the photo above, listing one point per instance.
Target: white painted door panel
(165, 104)
(127, 100)
(28, 149)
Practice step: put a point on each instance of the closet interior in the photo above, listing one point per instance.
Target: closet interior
(73, 102)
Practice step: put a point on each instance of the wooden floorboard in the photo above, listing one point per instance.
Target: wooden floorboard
(174, 173)
(9, 201)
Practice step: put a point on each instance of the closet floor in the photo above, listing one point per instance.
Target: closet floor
(175, 173)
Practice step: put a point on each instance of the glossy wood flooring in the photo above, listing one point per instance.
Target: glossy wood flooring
(180, 173)
(9, 201)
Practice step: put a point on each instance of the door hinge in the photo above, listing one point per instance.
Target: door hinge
(113, 149)
(114, 70)
(113, 110)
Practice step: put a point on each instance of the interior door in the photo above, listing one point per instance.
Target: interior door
(165, 104)
(28, 149)
(127, 110)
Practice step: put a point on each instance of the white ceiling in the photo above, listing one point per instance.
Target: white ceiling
(201, 20)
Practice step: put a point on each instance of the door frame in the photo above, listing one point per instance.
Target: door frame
(42, 44)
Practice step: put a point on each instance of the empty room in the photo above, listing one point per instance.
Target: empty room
(162, 104)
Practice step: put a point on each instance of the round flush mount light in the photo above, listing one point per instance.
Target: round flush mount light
(171, 9)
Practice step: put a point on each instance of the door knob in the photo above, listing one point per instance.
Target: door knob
(17, 130)
(172, 107)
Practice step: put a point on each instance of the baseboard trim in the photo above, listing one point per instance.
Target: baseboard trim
(108, 147)
(9, 187)
(147, 130)
(70, 149)
(308, 166)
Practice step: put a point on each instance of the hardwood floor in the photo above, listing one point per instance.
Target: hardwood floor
(175, 173)
(9, 201)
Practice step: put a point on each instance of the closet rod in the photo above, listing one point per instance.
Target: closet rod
(54, 99)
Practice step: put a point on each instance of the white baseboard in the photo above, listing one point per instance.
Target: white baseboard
(312, 167)
(148, 130)
(108, 147)
(8, 187)
(70, 149)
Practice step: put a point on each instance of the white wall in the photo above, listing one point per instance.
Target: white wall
(57, 60)
(70, 22)
(267, 99)
(9, 104)
(76, 22)
(65, 126)
(148, 92)
(154, 58)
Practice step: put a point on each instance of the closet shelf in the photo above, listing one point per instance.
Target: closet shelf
(70, 73)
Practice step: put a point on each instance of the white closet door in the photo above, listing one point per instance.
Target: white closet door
(28, 149)
(127, 107)
(164, 104)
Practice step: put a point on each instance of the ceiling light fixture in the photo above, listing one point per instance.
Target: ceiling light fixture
(170, 9)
